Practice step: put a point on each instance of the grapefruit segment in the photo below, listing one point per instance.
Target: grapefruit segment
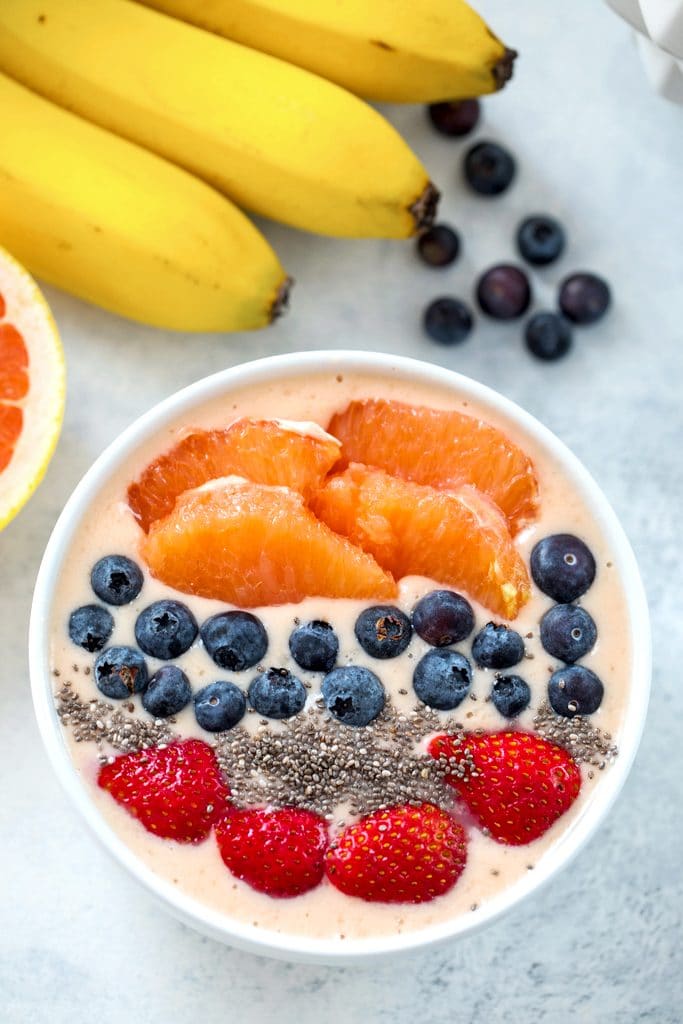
(250, 545)
(439, 448)
(455, 537)
(269, 452)
(13, 364)
(11, 422)
(31, 386)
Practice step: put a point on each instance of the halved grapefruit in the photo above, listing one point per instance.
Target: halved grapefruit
(441, 449)
(456, 537)
(32, 386)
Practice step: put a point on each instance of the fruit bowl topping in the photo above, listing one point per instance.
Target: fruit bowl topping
(175, 791)
(280, 852)
(458, 537)
(252, 545)
(515, 784)
(402, 854)
(274, 452)
(439, 448)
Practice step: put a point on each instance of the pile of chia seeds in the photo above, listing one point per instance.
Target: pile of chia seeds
(100, 722)
(585, 742)
(319, 764)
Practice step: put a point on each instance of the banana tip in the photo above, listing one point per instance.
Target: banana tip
(503, 68)
(281, 300)
(424, 208)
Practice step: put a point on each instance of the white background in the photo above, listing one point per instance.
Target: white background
(78, 941)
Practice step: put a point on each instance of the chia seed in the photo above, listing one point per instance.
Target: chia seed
(585, 742)
(100, 722)
(321, 765)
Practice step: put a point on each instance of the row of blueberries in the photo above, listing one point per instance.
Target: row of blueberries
(238, 640)
(353, 694)
(562, 566)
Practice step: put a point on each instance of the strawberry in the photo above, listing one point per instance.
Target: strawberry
(280, 853)
(176, 791)
(522, 785)
(402, 854)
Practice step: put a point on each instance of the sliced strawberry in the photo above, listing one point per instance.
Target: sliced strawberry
(280, 853)
(515, 784)
(176, 792)
(403, 854)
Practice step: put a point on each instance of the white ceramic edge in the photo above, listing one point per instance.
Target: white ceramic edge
(201, 917)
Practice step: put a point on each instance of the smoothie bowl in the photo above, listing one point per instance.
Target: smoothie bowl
(339, 654)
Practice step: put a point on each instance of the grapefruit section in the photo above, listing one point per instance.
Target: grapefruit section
(250, 545)
(32, 384)
(441, 449)
(455, 537)
(265, 451)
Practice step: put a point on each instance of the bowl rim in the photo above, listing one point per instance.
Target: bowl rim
(200, 916)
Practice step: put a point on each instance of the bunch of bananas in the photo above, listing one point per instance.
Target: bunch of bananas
(131, 139)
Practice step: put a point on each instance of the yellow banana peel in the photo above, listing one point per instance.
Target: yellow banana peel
(119, 227)
(276, 139)
(401, 51)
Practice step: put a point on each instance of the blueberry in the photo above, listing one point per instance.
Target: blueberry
(443, 617)
(314, 646)
(442, 679)
(165, 629)
(510, 695)
(540, 239)
(489, 168)
(454, 118)
(167, 692)
(504, 292)
(90, 627)
(568, 632)
(562, 567)
(116, 579)
(575, 691)
(276, 693)
(584, 298)
(439, 245)
(548, 336)
(219, 706)
(497, 646)
(447, 321)
(235, 640)
(383, 631)
(120, 672)
(353, 694)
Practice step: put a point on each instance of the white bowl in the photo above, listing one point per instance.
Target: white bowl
(203, 918)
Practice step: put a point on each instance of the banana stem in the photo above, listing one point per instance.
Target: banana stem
(281, 300)
(423, 210)
(503, 68)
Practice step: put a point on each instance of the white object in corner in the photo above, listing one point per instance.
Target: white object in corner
(659, 28)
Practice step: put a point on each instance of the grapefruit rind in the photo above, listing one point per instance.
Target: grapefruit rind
(43, 406)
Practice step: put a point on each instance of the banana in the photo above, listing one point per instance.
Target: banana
(401, 51)
(276, 139)
(118, 226)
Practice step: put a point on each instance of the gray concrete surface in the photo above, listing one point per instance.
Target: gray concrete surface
(78, 941)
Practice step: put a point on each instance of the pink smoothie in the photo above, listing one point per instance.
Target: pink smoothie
(110, 527)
